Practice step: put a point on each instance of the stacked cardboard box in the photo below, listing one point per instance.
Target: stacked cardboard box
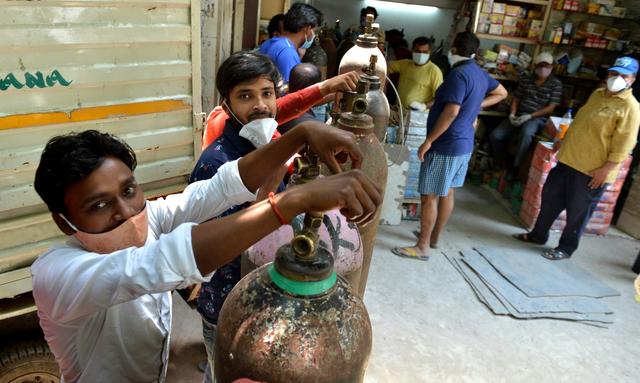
(416, 134)
(629, 220)
(543, 161)
(509, 20)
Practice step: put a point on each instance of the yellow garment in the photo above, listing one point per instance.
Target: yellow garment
(604, 130)
(417, 82)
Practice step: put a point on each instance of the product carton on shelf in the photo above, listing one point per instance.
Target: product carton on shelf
(496, 18)
(512, 10)
(534, 28)
(487, 6)
(500, 8)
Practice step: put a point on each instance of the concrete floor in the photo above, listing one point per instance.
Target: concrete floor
(429, 327)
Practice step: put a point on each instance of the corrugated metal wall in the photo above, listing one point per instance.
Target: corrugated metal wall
(128, 67)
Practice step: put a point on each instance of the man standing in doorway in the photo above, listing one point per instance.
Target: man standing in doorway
(419, 77)
(446, 151)
(600, 138)
(300, 29)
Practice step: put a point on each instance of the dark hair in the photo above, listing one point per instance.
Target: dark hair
(242, 67)
(69, 158)
(466, 44)
(274, 24)
(421, 41)
(369, 11)
(303, 75)
(301, 15)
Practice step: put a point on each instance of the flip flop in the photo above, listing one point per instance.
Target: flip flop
(555, 254)
(407, 252)
(417, 234)
(526, 237)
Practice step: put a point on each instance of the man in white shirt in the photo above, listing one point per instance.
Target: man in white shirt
(103, 297)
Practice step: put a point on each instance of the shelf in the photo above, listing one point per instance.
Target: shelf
(511, 39)
(534, 2)
(579, 46)
(588, 14)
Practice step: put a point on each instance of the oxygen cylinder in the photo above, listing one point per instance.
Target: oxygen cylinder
(358, 56)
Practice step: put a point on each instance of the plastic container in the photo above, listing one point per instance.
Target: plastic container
(565, 123)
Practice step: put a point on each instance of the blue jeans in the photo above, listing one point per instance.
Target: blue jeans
(566, 189)
(209, 335)
(501, 134)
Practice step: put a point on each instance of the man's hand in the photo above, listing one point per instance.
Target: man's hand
(513, 119)
(329, 143)
(424, 148)
(599, 175)
(344, 82)
(522, 119)
(352, 192)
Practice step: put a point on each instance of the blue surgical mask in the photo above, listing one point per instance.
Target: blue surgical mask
(307, 43)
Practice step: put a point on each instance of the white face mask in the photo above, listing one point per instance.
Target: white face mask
(259, 131)
(454, 59)
(616, 84)
(420, 58)
(543, 72)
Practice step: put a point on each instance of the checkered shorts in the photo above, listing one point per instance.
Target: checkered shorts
(439, 173)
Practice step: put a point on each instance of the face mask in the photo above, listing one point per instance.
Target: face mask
(259, 131)
(454, 58)
(543, 72)
(420, 58)
(616, 84)
(131, 233)
(307, 43)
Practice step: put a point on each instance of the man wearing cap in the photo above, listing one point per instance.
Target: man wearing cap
(535, 98)
(600, 138)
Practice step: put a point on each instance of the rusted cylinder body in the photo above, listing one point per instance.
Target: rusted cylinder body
(374, 165)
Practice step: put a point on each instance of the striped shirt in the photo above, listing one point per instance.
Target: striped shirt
(535, 97)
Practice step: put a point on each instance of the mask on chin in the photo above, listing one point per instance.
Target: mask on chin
(259, 131)
(454, 58)
(307, 43)
(131, 233)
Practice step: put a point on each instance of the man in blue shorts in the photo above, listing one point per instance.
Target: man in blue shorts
(300, 29)
(450, 131)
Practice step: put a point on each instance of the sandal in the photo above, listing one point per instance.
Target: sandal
(555, 254)
(525, 237)
(408, 252)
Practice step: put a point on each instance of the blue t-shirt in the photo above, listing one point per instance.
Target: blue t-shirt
(466, 85)
(283, 53)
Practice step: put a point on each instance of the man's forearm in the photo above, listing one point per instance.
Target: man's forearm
(547, 110)
(257, 166)
(514, 105)
(491, 100)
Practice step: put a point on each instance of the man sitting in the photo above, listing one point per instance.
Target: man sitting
(535, 98)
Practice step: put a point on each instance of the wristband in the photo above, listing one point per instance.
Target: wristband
(276, 211)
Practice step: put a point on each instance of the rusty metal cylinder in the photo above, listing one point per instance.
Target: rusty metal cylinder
(374, 165)
(358, 56)
(294, 320)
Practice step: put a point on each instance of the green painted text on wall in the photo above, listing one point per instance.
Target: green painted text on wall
(37, 80)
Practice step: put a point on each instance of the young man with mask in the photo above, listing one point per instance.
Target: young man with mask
(103, 297)
(419, 77)
(535, 99)
(300, 29)
(450, 133)
(246, 81)
(600, 138)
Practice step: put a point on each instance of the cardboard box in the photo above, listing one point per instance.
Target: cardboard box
(496, 19)
(495, 29)
(484, 18)
(619, 12)
(534, 29)
(593, 8)
(483, 28)
(510, 31)
(510, 21)
(499, 8)
(590, 29)
(535, 14)
(512, 10)
(487, 6)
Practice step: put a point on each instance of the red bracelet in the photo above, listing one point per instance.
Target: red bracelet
(274, 207)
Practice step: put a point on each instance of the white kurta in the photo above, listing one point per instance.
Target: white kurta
(107, 317)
